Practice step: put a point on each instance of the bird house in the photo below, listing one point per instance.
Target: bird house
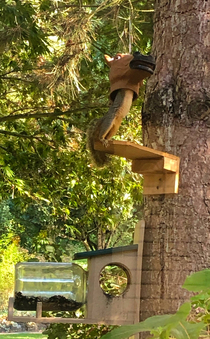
(67, 287)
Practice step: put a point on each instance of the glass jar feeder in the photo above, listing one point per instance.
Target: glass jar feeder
(59, 286)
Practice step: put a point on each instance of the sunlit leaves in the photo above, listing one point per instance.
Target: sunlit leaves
(48, 99)
(18, 25)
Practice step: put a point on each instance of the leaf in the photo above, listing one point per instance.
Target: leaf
(206, 318)
(199, 297)
(33, 259)
(8, 172)
(198, 281)
(150, 324)
(45, 4)
(185, 330)
(50, 249)
(182, 312)
(40, 197)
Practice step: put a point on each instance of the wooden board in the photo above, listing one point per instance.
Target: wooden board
(163, 165)
(161, 183)
(160, 169)
(130, 150)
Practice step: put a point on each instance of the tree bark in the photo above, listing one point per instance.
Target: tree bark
(176, 119)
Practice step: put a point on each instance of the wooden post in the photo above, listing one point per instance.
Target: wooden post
(138, 239)
(10, 309)
(39, 310)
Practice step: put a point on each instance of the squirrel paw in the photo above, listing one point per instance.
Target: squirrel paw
(105, 142)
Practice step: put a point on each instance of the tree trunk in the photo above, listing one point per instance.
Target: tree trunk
(176, 119)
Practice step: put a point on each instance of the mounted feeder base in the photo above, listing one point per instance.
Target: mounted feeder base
(39, 319)
(52, 320)
(160, 169)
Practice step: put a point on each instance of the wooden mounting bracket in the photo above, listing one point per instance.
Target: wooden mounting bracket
(38, 318)
(160, 169)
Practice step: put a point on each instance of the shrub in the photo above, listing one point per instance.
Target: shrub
(10, 254)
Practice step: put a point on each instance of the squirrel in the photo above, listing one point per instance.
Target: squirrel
(126, 76)
(106, 127)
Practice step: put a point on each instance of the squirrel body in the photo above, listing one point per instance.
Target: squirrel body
(126, 76)
(106, 127)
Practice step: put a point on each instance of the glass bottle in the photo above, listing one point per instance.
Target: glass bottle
(59, 286)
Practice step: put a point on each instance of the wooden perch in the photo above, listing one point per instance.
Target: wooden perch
(160, 169)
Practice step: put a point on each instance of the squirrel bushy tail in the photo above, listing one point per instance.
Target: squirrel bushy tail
(99, 159)
(105, 128)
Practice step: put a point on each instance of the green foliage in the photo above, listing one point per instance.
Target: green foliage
(6, 220)
(42, 122)
(76, 331)
(199, 281)
(10, 254)
(201, 301)
(161, 326)
(186, 330)
(23, 336)
(18, 24)
(54, 81)
(192, 320)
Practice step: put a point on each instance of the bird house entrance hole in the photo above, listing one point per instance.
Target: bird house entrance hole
(114, 280)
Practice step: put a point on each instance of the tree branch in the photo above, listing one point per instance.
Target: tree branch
(16, 79)
(18, 134)
(4, 148)
(45, 115)
(9, 72)
(26, 136)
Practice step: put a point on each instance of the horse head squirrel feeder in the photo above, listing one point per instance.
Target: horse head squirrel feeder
(126, 76)
(160, 169)
(62, 287)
